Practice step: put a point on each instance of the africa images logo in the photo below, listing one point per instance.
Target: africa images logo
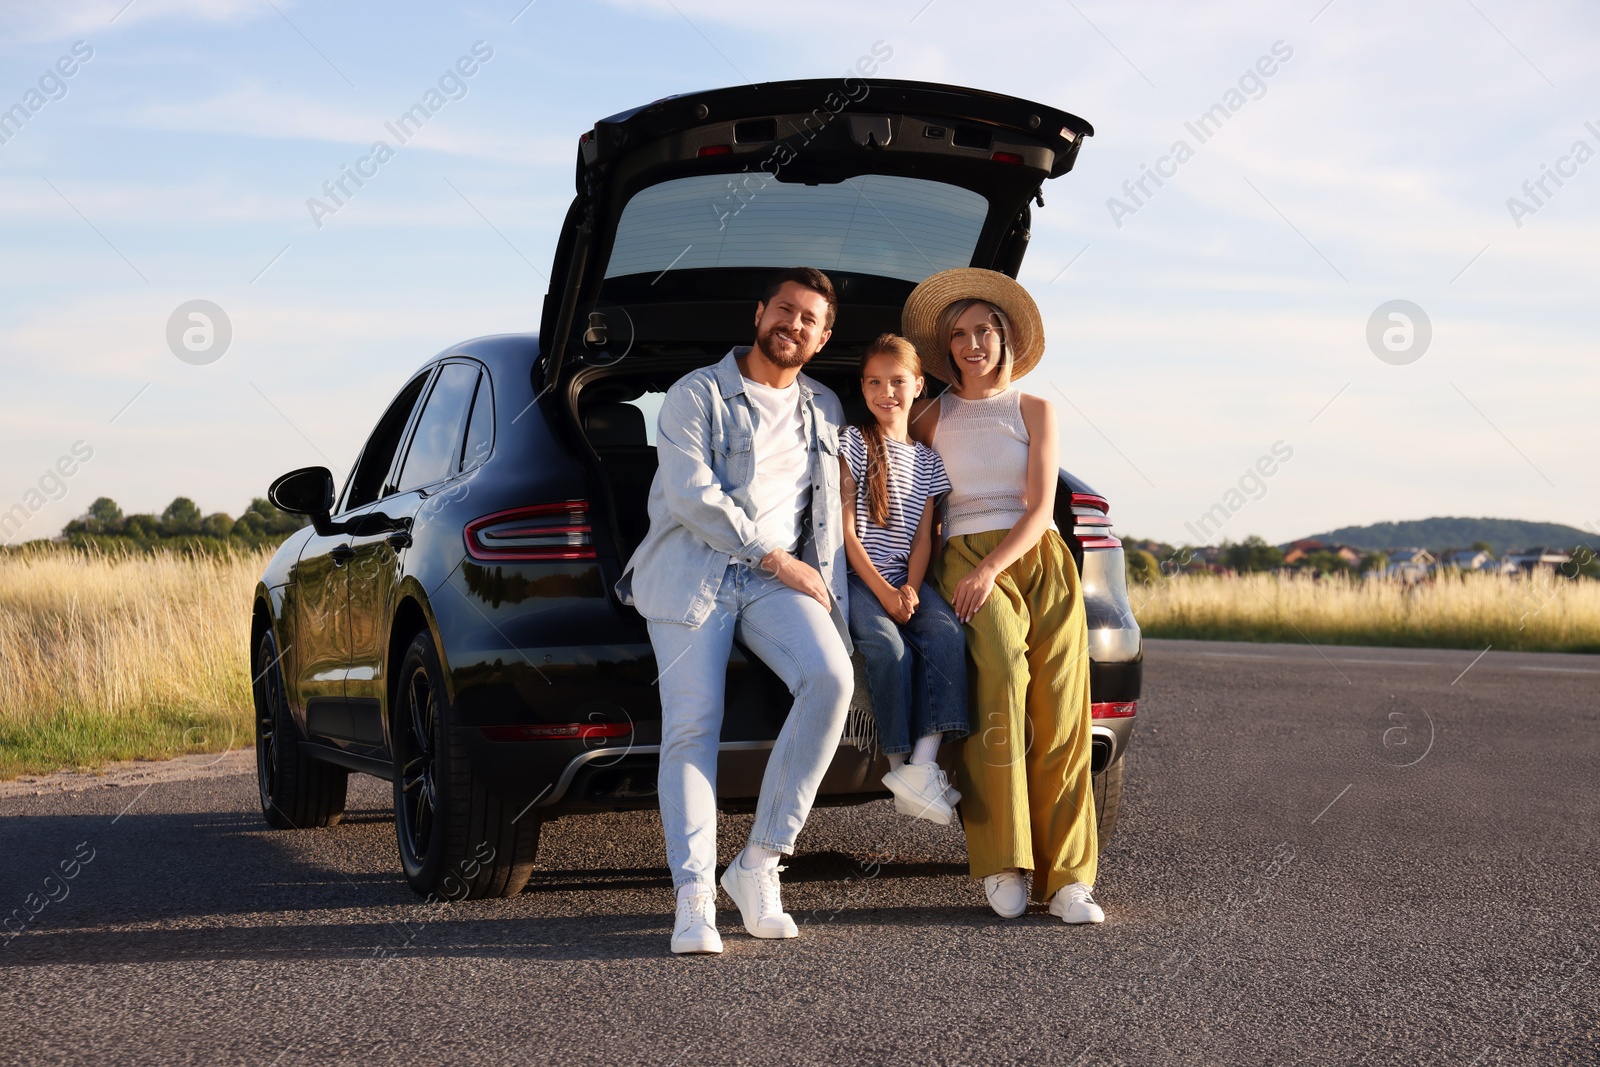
(452, 85)
(1252, 85)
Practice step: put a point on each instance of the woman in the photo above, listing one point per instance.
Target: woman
(1024, 772)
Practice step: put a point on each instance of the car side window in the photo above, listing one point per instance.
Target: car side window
(480, 427)
(377, 455)
(435, 448)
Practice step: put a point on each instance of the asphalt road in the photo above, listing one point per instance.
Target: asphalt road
(1325, 856)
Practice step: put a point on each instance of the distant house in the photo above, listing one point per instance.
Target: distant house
(1410, 564)
(1530, 560)
(1296, 551)
(1471, 560)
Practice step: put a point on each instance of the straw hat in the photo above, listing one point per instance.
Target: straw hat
(919, 321)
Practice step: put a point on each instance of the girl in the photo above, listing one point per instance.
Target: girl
(1010, 578)
(914, 648)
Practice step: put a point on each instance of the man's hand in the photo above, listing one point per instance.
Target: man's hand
(797, 575)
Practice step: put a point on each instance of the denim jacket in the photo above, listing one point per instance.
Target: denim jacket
(700, 505)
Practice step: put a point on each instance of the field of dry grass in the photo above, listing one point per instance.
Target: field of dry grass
(120, 657)
(1542, 614)
(145, 656)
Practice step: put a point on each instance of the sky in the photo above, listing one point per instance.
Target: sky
(1231, 320)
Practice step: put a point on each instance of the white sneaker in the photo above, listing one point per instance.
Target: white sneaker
(919, 791)
(952, 796)
(760, 903)
(1074, 904)
(696, 927)
(1007, 892)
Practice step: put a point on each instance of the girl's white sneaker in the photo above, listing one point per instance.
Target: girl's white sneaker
(1007, 892)
(1075, 904)
(919, 791)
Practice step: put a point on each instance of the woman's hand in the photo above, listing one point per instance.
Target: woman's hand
(909, 599)
(894, 604)
(972, 592)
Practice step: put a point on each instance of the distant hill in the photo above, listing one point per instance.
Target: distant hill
(1434, 534)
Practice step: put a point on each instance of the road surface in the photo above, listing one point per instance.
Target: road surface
(1325, 855)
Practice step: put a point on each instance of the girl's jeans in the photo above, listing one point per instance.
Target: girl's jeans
(916, 673)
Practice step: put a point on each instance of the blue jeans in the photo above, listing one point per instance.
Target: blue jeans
(916, 673)
(796, 637)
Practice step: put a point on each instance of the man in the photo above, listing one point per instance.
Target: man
(746, 542)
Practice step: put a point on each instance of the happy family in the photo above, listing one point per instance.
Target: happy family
(773, 523)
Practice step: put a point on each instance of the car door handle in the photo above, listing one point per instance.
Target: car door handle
(341, 554)
(398, 540)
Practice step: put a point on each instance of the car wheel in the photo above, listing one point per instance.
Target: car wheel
(1107, 800)
(297, 791)
(457, 840)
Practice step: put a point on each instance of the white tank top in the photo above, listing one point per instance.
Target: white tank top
(984, 446)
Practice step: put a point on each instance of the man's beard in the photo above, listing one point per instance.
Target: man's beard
(767, 343)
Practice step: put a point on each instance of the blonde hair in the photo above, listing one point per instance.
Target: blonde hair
(905, 354)
(947, 327)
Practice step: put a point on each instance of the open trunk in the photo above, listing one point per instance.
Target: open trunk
(686, 207)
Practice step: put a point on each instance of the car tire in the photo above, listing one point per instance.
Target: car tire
(297, 791)
(457, 840)
(1107, 800)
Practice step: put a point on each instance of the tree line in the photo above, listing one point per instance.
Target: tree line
(181, 525)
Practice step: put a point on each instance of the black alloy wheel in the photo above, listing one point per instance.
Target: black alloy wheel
(297, 791)
(268, 693)
(416, 764)
(457, 840)
(1107, 787)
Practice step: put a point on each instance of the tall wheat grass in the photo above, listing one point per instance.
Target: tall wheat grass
(107, 657)
(1543, 613)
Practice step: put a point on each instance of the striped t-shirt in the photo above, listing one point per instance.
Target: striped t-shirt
(915, 473)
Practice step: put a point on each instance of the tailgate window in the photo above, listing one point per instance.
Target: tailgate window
(885, 225)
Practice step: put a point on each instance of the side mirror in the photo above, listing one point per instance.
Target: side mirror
(307, 491)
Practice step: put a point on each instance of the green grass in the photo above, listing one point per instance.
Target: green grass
(81, 739)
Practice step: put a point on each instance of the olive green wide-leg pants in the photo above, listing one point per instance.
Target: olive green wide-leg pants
(1027, 798)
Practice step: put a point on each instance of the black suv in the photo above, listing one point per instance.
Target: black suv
(448, 621)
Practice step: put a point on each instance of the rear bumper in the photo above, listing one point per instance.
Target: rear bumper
(515, 662)
(626, 778)
(619, 777)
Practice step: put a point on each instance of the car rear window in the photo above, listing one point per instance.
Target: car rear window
(906, 228)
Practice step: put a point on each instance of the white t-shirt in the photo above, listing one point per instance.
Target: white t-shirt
(782, 485)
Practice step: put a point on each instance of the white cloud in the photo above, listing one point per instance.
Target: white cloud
(253, 111)
(97, 18)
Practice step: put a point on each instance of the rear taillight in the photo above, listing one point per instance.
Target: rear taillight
(1090, 524)
(1006, 157)
(540, 531)
(715, 150)
(1115, 709)
(566, 731)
